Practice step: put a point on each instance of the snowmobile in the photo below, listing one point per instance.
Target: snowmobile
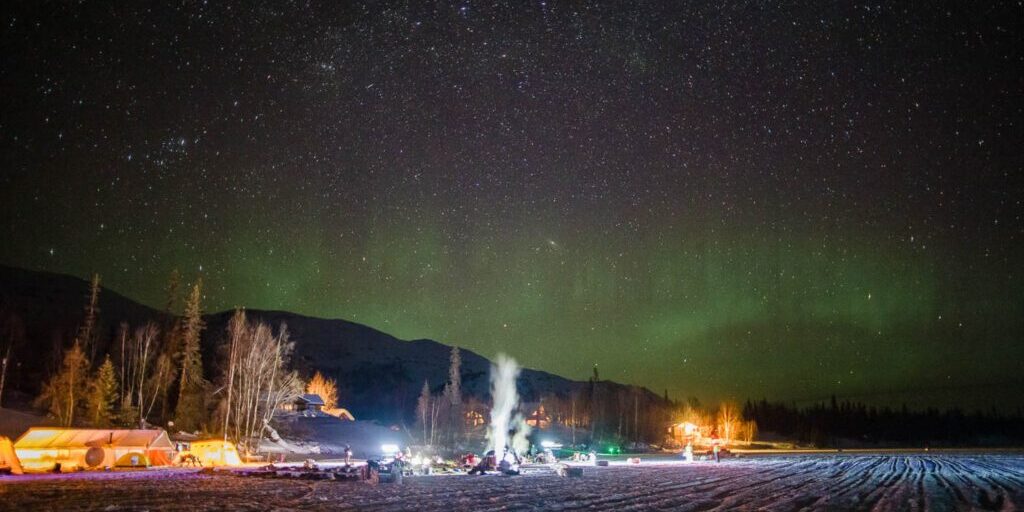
(387, 472)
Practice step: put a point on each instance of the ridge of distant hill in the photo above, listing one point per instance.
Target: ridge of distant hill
(377, 373)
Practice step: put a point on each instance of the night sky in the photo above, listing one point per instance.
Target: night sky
(739, 200)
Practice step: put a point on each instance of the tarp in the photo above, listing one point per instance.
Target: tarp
(215, 452)
(8, 458)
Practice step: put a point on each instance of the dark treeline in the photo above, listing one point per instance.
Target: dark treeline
(851, 424)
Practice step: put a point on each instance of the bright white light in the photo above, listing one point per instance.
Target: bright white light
(389, 449)
(550, 444)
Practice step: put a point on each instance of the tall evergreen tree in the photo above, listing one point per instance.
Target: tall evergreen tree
(173, 283)
(103, 395)
(455, 377)
(87, 331)
(453, 393)
(167, 369)
(189, 413)
(170, 346)
(12, 332)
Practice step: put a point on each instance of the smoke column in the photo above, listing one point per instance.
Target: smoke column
(504, 373)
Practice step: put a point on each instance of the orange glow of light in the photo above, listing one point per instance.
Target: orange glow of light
(215, 452)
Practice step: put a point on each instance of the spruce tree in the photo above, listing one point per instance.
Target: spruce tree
(171, 304)
(189, 414)
(453, 392)
(87, 331)
(12, 332)
(167, 369)
(103, 395)
(455, 377)
(170, 347)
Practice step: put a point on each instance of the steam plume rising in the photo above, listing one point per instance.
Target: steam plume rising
(504, 373)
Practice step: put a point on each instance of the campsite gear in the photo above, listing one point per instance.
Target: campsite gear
(133, 460)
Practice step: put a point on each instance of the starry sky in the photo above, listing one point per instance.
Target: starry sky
(720, 199)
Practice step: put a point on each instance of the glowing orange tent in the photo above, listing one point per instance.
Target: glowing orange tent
(41, 448)
(8, 458)
(215, 452)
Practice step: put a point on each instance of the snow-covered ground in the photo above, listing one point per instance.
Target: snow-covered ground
(328, 435)
(932, 481)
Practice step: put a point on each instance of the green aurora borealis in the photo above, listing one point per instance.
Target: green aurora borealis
(715, 316)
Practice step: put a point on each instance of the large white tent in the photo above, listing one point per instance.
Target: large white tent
(42, 448)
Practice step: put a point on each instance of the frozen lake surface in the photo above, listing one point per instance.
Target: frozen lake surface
(889, 481)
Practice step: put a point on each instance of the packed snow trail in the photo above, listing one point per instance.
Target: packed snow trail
(917, 482)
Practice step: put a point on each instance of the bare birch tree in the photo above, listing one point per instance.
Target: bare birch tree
(236, 329)
(728, 421)
(257, 380)
(423, 410)
(143, 373)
